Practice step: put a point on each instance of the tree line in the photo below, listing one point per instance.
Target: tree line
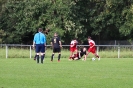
(101, 19)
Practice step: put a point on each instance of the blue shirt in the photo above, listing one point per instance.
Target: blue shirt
(39, 38)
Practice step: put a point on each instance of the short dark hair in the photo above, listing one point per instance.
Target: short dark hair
(55, 34)
(89, 37)
(40, 30)
(75, 38)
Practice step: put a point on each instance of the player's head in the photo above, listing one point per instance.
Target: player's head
(40, 30)
(55, 34)
(89, 38)
(75, 40)
(84, 49)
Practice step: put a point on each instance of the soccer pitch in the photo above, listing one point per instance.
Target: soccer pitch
(106, 73)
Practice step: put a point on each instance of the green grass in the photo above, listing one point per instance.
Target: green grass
(106, 73)
(19, 52)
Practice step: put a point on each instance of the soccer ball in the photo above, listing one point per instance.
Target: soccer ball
(93, 59)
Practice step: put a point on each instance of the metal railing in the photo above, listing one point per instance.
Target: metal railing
(30, 47)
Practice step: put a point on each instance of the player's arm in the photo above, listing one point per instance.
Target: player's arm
(85, 56)
(52, 43)
(34, 41)
(44, 40)
(33, 45)
(79, 54)
(76, 41)
(60, 43)
(92, 45)
(72, 45)
(45, 44)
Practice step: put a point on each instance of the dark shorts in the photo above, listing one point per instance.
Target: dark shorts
(40, 48)
(56, 50)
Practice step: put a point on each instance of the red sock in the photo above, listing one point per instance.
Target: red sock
(97, 56)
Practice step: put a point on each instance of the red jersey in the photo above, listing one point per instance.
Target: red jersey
(92, 46)
(73, 44)
(91, 43)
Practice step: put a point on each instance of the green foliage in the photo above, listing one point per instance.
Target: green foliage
(106, 19)
(127, 27)
(2, 34)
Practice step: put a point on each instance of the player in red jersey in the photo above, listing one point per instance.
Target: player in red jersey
(73, 47)
(92, 47)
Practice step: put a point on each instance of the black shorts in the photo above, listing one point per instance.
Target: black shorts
(56, 50)
(40, 48)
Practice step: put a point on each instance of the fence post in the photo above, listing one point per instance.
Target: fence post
(6, 51)
(97, 49)
(30, 52)
(118, 51)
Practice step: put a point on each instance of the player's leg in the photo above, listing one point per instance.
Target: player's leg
(76, 51)
(87, 54)
(89, 50)
(97, 56)
(84, 57)
(71, 53)
(42, 53)
(75, 57)
(35, 56)
(52, 56)
(59, 54)
(94, 52)
(37, 52)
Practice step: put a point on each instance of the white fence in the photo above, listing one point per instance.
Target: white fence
(118, 47)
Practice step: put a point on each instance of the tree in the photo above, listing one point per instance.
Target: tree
(101, 19)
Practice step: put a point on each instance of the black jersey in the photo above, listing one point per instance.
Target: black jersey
(55, 41)
(82, 52)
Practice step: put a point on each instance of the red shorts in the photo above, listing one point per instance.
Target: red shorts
(72, 49)
(75, 56)
(92, 50)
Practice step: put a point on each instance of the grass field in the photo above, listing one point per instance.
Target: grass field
(106, 73)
